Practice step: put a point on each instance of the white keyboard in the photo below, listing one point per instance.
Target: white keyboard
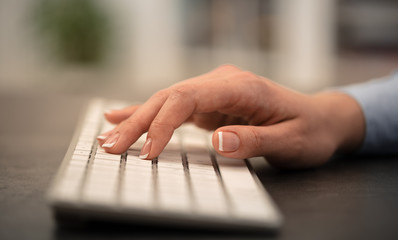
(189, 184)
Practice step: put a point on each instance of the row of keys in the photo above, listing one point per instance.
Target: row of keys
(103, 173)
(71, 181)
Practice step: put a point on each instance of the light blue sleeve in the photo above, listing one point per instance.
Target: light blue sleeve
(379, 102)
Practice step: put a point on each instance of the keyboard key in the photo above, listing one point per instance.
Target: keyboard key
(103, 162)
(138, 189)
(135, 161)
(172, 186)
(82, 152)
(139, 143)
(107, 156)
(247, 199)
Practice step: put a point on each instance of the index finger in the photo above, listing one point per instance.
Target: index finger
(178, 107)
(129, 130)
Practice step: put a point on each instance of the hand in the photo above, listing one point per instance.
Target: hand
(252, 115)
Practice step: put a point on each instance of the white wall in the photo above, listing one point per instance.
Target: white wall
(145, 52)
(305, 42)
(148, 53)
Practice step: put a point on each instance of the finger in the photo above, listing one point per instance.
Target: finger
(129, 130)
(175, 111)
(102, 138)
(279, 141)
(116, 116)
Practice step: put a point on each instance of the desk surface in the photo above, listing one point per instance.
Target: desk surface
(349, 198)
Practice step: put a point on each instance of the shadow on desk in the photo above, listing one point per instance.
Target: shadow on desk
(111, 230)
(351, 197)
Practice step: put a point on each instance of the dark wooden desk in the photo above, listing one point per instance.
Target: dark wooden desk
(350, 198)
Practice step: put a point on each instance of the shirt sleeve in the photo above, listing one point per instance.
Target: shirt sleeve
(379, 102)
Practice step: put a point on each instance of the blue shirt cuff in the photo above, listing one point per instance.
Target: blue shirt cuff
(379, 102)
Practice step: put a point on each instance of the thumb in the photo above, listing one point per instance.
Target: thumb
(250, 141)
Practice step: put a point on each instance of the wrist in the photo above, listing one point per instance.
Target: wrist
(344, 119)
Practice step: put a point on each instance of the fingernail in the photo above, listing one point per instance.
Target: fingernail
(101, 137)
(104, 135)
(111, 140)
(145, 149)
(108, 111)
(228, 142)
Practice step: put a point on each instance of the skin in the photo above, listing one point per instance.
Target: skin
(292, 130)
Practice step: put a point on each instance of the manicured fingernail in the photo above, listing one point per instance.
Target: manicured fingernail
(228, 142)
(101, 137)
(108, 111)
(111, 140)
(104, 135)
(145, 149)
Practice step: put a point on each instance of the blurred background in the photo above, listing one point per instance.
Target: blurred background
(129, 49)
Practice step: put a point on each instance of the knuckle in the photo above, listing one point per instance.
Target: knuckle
(227, 68)
(252, 81)
(129, 122)
(257, 139)
(246, 76)
(131, 125)
(161, 94)
(158, 124)
(180, 92)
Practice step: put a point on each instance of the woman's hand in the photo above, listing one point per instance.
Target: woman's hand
(251, 116)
